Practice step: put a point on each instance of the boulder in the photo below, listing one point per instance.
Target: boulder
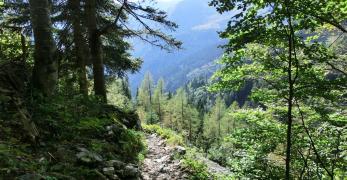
(180, 150)
(109, 171)
(65, 154)
(129, 118)
(88, 157)
(131, 171)
(115, 163)
(31, 177)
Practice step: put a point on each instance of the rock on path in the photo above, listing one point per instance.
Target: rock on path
(159, 163)
(213, 167)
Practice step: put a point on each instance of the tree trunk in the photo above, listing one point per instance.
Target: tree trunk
(219, 117)
(45, 72)
(182, 113)
(80, 46)
(159, 109)
(96, 51)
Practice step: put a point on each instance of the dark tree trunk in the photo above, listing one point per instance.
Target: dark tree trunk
(45, 72)
(96, 51)
(80, 46)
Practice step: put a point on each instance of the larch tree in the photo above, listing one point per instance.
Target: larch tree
(181, 102)
(215, 116)
(159, 98)
(145, 98)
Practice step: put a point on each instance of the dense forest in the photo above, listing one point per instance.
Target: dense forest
(274, 108)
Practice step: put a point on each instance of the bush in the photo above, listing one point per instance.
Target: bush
(171, 136)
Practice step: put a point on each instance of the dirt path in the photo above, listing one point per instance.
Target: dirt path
(159, 163)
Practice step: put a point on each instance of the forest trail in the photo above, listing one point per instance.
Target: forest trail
(160, 164)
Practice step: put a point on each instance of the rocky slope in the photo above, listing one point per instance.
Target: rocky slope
(160, 163)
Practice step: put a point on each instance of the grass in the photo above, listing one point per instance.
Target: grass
(171, 136)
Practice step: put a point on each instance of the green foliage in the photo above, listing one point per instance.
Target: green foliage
(213, 121)
(131, 144)
(10, 45)
(280, 48)
(172, 137)
(119, 94)
(151, 117)
(66, 126)
(196, 169)
(246, 149)
(145, 93)
(91, 125)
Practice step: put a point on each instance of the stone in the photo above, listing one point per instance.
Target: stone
(131, 171)
(65, 154)
(166, 169)
(108, 171)
(100, 175)
(181, 150)
(162, 159)
(115, 163)
(115, 177)
(31, 177)
(162, 168)
(88, 156)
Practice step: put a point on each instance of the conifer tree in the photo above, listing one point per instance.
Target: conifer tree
(228, 122)
(45, 72)
(145, 98)
(180, 103)
(212, 126)
(159, 99)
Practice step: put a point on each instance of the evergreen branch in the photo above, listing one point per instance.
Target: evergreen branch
(108, 27)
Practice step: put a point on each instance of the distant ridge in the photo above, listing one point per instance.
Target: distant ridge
(198, 26)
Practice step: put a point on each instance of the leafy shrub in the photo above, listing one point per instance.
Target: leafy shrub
(196, 169)
(131, 144)
(171, 136)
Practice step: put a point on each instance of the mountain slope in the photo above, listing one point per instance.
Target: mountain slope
(198, 26)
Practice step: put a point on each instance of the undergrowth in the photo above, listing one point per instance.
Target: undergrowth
(67, 127)
(196, 168)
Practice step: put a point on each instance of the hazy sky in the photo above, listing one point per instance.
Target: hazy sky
(168, 4)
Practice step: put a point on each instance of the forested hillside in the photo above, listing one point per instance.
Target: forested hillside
(199, 49)
(88, 89)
